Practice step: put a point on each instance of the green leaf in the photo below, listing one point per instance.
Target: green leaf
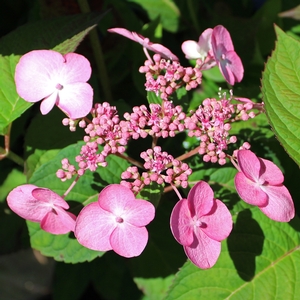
(152, 193)
(281, 93)
(62, 34)
(153, 98)
(259, 261)
(154, 288)
(166, 9)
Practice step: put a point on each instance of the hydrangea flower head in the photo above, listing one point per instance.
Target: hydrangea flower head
(259, 182)
(228, 61)
(115, 222)
(145, 42)
(55, 79)
(43, 206)
(199, 223)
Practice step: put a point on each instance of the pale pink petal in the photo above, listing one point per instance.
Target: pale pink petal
(33, 75)
(270, 173)
(145, 42)
(114, 198)
(76, 100)
(48, 196)
(200, 199)
(94, 227)
(129, 241)
(21, 201)
(191, 49)
(250, 191)
(218, 223)
(181, 223)
(75, 69)
(204, 251)
(205, 40)
(124, 32)
(249, 164)
(58, 221)
(138, 212)
(48, 103)
(280, 207)
(162, 50)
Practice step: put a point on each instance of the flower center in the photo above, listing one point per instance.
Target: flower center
(59, 86)
(119, 220)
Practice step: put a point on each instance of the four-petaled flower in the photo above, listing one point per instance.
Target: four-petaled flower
(215, 47)
(228, 61)
(200, 223)
(145, 42)
(259, 182)
(43, 206)
(115, 222)
(55, 79)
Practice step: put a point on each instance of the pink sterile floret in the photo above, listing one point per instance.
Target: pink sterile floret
(259, 182)
(145, 42)
(55, 79)
(200, 223)
(228, 61)
(42, 205)
(115, 222)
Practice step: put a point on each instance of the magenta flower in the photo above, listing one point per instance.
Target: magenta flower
(228, 61)
(55, 79)
(115, 222)
(43, 206)
(200, 223)
(259, 182)
(200, 49)
(145, 42)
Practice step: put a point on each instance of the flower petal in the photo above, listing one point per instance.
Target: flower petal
(221, 36)
(249, 164)
(204, 251)
(34, 74)
(250, 191)
(270, 173)
(280, 206)
(200, 199)
(231, 67)
(48, 103)
(94, 227)
(114, 198)
(180, 222)
(139, 212)
(129, 241)
(58, 221)
(76, 99)
(48, 196)
(218, 222)
(21, 201)
(75, 69)
(191, 49)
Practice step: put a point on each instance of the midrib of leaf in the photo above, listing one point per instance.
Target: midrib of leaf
(263, 271)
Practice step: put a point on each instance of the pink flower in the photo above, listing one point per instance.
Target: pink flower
(145, 42)
(42, 205)
(199, 223)
(55, 79)
(228, 61)
(200, 49)
(259, 182)
(115, 222)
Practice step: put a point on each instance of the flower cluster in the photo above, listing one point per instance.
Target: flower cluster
(117, 220)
